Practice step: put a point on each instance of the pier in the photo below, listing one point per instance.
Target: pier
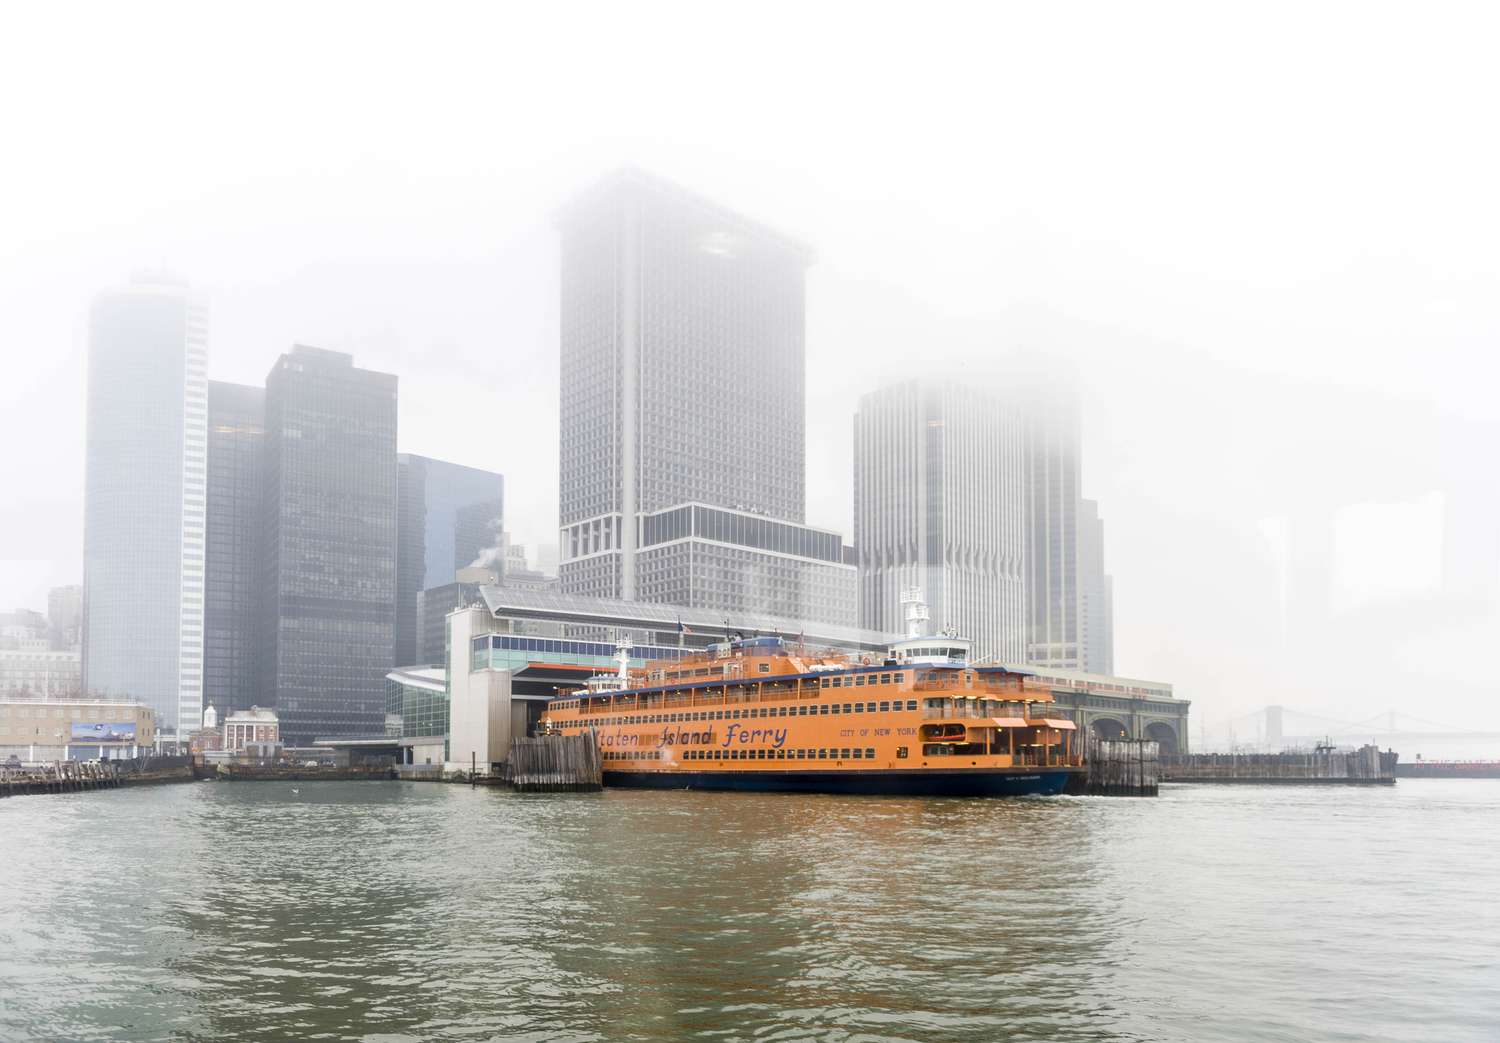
(81, 776)
(1368, 765)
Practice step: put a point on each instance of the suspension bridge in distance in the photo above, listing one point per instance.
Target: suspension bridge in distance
(1286, 726)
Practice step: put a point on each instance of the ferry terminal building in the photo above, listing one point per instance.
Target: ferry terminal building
(535, 644)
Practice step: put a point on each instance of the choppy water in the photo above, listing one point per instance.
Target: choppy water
(391, 912)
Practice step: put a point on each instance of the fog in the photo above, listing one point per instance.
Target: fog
(1265, 238)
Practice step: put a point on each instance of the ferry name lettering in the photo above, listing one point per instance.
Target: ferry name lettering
(775, 736)
(683, 737)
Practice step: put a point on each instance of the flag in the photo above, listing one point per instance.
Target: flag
(682, 629)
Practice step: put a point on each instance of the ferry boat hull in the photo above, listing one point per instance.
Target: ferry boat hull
(927, 783)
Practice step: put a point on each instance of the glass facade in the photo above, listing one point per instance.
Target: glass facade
(144, 501)
(514, 651)
(423, 712)
(236, 439)
(328, 579)
(449, 517)
(745, 530)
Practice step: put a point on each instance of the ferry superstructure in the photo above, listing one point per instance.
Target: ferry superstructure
(758, 714)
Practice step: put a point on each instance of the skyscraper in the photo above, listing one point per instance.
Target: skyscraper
(236, 444)
(65, 616)
(328, 578)
(449, 517)
(1065, 580)
(683, 383)
(939, 504)
(144, 500)
(1096, 593)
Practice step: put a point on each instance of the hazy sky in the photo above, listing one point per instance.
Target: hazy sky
(1267, 235)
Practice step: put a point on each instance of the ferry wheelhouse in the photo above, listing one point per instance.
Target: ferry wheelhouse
(759, 714)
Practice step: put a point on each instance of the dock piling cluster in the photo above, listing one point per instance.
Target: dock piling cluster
(1120, 768)
(555, 763)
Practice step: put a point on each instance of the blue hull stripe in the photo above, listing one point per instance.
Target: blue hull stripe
(892, 783)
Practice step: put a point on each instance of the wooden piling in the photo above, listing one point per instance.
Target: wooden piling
(555, 763)
(1365, 766)
(1120, 768)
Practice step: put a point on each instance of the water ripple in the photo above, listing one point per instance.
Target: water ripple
(388, 913)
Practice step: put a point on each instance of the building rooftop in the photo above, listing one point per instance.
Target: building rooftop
(254, 715)
(504, 602)
(426, 678)
(630, 179)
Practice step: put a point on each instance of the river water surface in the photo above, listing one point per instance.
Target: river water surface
(407, 911)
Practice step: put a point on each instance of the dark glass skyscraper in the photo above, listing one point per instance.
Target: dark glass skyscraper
(236, 443)
(449, 517)
(328, 577)
(143, 501)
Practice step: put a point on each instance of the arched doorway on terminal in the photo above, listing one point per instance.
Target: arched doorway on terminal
(1164, 735)
(1109, 729)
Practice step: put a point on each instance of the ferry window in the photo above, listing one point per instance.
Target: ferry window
(860, 707)
(911, 704)
(781, 711)
(760, 755)
(822, 682)
(859, 680)
(734, 715)
(718, 715)
(844, 754)
(884, 707)
(859, 754)
(781, 755)
(847, 708)
(834, 708)
(901, 753)
(869, 753)
(765, 668)
(885, 678)
(822, 754)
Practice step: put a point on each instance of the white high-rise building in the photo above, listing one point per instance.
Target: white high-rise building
(683, 392)
(939, 504)
(144, 500)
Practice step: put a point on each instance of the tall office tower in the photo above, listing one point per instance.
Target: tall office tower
(448, 517)
(328, 545)
(236, 443)
(682, 354)
(143, 501)
(1065, 578)
(1096, 593)
(65, 617)
(939, 504)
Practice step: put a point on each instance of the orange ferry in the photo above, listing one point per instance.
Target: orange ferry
(758, 715)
